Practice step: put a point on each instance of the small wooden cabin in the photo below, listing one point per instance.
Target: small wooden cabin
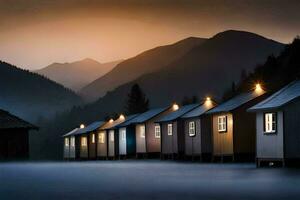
(172, 132)
(108, 138)
(277, 127)
(127, 141)
(197, 131)
(69, 145)
(14, 142)
(75, 144)
(233, 128)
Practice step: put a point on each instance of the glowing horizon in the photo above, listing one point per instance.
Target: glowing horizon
(35, 34)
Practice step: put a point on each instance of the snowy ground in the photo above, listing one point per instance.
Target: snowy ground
(149, 179)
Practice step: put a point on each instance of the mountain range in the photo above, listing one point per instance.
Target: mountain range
(32, 96)
(147, 62)
(76, 75)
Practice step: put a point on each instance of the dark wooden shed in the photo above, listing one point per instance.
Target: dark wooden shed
(233, 128)
(277, 127)
(14, 142)
(172, 132)
(197, 131)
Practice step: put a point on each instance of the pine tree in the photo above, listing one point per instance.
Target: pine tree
(137, 101)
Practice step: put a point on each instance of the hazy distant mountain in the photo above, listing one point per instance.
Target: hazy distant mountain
(30, 95)
(77, 74)
(146, 62)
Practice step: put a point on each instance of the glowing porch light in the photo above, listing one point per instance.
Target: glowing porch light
(111, 121)
(258, 88)
(81, 126)
(122, 117)
(208, 101)
(175, 106)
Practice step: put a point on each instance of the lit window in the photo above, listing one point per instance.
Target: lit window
(66, 142)
(101, 138)
(73, 141)
(83, 141)
(270, 122)
(142, 130)
(111, 136)
(93, 138)
(170, 129)
(123, 134)
(222, 123)
(192, 131)
(157, 131)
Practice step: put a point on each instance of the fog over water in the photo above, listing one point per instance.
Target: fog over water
(145, 180)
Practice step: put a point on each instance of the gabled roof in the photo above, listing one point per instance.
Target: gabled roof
(9, 121)
(198, 111)
(115, 123)
(144, 116)
(235, 102)
(92, 127)
(280, 98)
(176, 114)
(71, 132)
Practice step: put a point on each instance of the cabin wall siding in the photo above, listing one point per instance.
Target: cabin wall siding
(72, 149)
(130, 140)
(223, 142)
(92, 146)
(14, 144)
(153, 143)
(206, 134)
(292, 130)
(244, 130)
(102, 147)
(192, 144)
(111, 143)
(140, 141)
(269, 145)
(122, 143)
(66, 149)
(169, 142)
(84, 149)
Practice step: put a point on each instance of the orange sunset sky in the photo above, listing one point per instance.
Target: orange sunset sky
(36, 33)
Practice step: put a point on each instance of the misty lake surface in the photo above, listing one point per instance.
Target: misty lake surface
(145, 179)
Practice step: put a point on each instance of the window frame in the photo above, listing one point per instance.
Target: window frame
(193, 128)
(93, 138)
(224, 123)
(273, 123)
(111, 136)
(142, 131)
(84, 141)
(123, 134)
(157, 131)
(67, 142)
(72, 141)
(101, 138)
(170, 129)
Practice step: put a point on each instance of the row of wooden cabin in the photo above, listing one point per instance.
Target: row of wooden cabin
(252, 124)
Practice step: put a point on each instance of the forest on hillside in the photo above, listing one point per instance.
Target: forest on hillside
(32, 96)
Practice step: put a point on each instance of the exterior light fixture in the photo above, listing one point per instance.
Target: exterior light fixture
(111, 121)
(258, 88)
(122, 117)
(175, 106)
(81, 126)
